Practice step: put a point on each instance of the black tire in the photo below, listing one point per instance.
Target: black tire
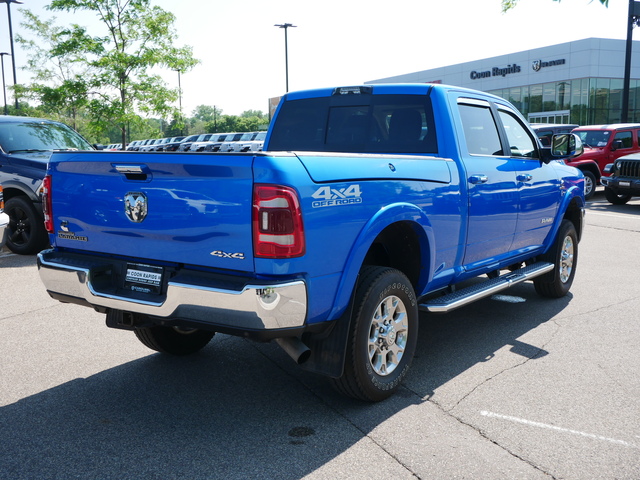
(173, 340)
(564, 255)
(26, 227)
(590, 183)
(614, 198)
(382, 335)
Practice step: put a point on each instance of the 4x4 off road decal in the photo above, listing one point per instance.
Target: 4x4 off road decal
(332, 197)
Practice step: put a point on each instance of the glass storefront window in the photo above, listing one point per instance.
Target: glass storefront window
(549, 97)
(535, 98)
(590, 101)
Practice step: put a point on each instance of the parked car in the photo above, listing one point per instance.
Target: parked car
(621, 179)
(133, 146)
(201, 141)
(150, 146)
(4, 222)
(185, 145)
(254, 145)
(214, 145)
(173, 144)
(158, 146)
(26, 144)
(227, 145)
(236, 146)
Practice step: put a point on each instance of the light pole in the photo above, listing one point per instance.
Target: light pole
(13, 56)
(632, 19)
(179, 99)
(286, 51)
(179, 93)
(4, 87)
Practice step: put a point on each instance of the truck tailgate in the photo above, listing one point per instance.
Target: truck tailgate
(178, 208)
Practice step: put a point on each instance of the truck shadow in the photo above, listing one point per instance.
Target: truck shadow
(239, 409)
(598, 203)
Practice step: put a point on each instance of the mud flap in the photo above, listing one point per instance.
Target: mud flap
(328, 349)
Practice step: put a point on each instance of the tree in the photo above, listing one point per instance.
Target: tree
(509, 4)
(57, 76)
(206, 113)
(117, 79)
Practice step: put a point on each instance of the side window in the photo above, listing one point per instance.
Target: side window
(626, 138)
(480, 131)
(520, 142)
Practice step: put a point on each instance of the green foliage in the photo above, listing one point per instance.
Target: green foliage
(509, 4)
(107, 75)
(101, 82)
(206, 113)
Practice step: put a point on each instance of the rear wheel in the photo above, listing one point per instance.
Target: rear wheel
(382, 337)
(26, 228)
(614, 198)
(564, 255)
(173, 340)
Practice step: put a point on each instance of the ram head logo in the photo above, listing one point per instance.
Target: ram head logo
(135, 206)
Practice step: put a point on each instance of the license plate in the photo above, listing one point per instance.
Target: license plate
(624, 184)
(143, 278)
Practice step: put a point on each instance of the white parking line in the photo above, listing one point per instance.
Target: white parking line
(558, 429)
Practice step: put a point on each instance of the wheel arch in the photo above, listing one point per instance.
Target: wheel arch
(592, 168)
(571, 208)
(399, 236)
(13, 189)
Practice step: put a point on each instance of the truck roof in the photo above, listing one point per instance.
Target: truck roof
(382, 88)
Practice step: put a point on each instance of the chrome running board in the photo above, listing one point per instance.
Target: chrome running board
(470, 294)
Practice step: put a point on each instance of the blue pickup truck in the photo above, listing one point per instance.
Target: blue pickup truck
(367, 205)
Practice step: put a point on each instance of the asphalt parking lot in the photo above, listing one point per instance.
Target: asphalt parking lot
(513, 387)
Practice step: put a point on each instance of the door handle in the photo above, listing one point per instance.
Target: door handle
(476, 179)
(524, 177)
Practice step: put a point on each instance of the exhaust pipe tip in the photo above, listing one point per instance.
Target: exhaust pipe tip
(295, 348)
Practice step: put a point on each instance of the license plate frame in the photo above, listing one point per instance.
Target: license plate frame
(143, 278)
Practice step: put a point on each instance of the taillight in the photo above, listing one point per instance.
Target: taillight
(46, 204)
(1, 199)
(277, 222)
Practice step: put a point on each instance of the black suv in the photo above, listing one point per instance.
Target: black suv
(25, 147)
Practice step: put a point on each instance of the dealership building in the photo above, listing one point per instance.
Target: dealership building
(577, 82)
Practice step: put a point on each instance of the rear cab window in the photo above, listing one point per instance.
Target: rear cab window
(356, 123)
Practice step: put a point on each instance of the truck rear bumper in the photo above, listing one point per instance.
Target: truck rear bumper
(193, 297)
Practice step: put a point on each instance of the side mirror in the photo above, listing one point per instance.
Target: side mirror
(563, 147)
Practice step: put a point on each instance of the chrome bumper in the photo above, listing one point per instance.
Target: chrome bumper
(192, 297)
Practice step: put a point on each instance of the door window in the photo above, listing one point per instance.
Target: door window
(480, 131)
(520, 141)
(626, 138)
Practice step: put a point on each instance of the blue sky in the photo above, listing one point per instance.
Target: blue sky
(343, 42)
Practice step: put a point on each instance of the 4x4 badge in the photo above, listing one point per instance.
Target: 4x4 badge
(135, 206)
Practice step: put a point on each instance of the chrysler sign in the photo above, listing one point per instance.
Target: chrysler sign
(537, 65)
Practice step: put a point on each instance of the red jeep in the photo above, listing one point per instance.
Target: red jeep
(603, 144)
